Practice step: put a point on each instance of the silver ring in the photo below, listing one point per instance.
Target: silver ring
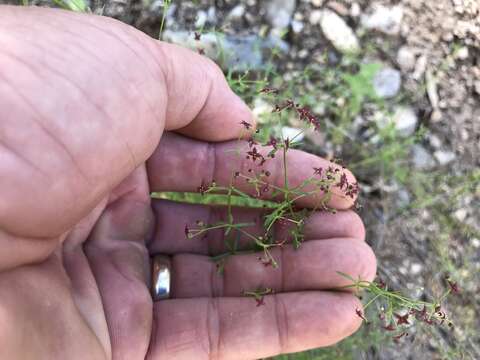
(161, 277)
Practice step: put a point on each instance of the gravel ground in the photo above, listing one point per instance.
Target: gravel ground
(430, 79)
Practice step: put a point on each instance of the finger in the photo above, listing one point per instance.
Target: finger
(201, 104)
(171, 218)
(102, 117)
(315, 265)
(235, 328)
(120, 262)
(203, 162)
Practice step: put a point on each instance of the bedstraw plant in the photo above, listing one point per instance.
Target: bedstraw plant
(395, 311)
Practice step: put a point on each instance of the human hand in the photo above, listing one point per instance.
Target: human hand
(84, 102)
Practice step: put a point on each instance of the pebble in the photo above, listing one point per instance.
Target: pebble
(261, 110)
(315, 17)
(297, 26)
(234, 52)
(460, 214)
(416, 268)
(201, 19)
(291, 132)
(406, 58)
(385, 19)
(237, 12)
(462, 53)
(387, 83)
(476, 86)
(338, 32)
(421, 158)
(279, 12)
(444, 157)
(405, 121)
(355, 10)
(317, 3)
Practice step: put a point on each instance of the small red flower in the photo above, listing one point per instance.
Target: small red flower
(399, 336)
(260, 301)
(267, 90)
(254, 154)
(360, 314)
(197, 36)
(390, 327)
(202, 188)
(343, 181)
(453, 286)
(402, 319)
(246, 125)
(317, 171)
(187, 231)
(273, 142)
(201, 51)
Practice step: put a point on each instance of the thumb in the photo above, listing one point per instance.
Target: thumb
(83, 101)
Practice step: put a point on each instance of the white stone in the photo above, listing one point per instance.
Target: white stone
(385, 19)
(338, 32)
(317, 3)
(405, 121)
(297, 26)
(444, 157)
(406, 58)
(292, 133)
(355, 10)
(387, 83)
(279, 12)
(460, 214)
(237, 12)
(462, 53)
(201, 19)
(421, 158)
(315, 17)
(476, 86)
(261, 110)
(416, 268)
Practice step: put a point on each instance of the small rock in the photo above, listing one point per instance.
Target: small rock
(444, 157)
(460, 214)
(261, 110)
(385, 19)
(476, 86)
(279, 12)
(475, 243)
(201, 19)
(292, 133)
(315, 17)
(237, 53)
(387, 82)
(338, 32)
(402, 198)
(421, 158)
(317, 3)
(236, 13)
(355, 10)
(405, 121)
(406, 58)
(212, 15)
(297, 26)
(462, 53)
(416, 268)
(420, 67)
(339, 8)
(434, 141)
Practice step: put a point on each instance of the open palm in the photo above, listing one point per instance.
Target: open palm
(84, 102)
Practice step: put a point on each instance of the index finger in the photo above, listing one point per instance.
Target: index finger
(182, 164)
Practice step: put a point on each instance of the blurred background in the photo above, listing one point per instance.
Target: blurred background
(396, 85)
